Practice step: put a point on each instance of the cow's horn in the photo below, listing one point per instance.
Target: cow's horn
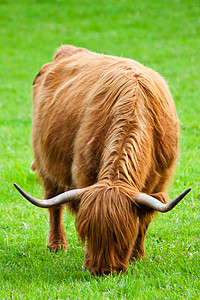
(55, 201)
(149, 201)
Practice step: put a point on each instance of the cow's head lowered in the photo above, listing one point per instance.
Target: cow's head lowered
(114, 230)
(106, 128)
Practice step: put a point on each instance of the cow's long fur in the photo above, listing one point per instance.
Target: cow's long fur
(108, 124)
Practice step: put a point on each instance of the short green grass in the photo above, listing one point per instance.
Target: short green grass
(161, 34)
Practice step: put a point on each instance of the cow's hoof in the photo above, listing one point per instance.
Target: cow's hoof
(54, 248)
(137, 255)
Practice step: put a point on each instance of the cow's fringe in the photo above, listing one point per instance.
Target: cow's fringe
(108, 220)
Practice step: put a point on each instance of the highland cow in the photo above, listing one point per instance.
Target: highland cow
(105, 140)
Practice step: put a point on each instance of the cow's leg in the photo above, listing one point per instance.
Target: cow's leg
(138, 251)
(57, 236)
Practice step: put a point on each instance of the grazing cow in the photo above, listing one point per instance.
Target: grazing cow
(105, 141)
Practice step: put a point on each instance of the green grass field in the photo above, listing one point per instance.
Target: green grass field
(163, 35)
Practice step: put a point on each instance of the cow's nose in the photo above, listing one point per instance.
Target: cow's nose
(106, 272)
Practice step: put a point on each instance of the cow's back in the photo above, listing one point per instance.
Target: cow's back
(80, 100)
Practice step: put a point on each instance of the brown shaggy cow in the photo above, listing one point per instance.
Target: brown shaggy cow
(105, 129)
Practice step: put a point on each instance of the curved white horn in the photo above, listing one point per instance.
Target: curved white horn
(55, 201)
(151, 202)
